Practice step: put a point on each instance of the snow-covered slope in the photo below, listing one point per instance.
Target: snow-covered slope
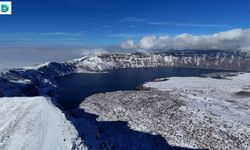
(33, 80)
(35, 124)
(222, 104)
(229, 97)
(187, 112)
(216, 59)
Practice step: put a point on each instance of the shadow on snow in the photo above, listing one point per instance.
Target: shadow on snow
(114, 135)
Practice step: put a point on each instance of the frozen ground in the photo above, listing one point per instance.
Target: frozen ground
(35, 124)
(229, 97)
(224, 103)
(186, 112)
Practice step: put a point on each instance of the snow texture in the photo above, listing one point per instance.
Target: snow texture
(35, 124)
(187, 112)
(224, 103)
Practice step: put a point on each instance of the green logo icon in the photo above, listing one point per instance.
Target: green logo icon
(4, 8)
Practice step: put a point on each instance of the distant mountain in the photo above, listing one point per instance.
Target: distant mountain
(232, 60)
(37, 80)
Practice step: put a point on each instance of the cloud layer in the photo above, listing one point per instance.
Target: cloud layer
(93, 51)
(235, 39)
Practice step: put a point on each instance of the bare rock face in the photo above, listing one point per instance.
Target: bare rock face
(166, 115)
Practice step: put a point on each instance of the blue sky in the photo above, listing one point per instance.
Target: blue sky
(72, 24)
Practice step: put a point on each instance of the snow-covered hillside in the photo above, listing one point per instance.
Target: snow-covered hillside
(35, 124)
(222, 104)
(205, 59)
(229, 97)
(187, 112)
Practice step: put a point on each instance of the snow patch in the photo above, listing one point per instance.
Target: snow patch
(35, 123)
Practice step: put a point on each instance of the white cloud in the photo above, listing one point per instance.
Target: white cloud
(132, 19)
(172, 23)
(106, 26)
(235, 39)
(62, 33)
(53, 33)
(189, 24)
(128, 44)
(93, 51)
(124, 35)
(148, 42)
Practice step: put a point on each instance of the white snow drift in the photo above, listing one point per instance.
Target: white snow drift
(35, 124)
(189, 112)
(228, 98)
(225, 101)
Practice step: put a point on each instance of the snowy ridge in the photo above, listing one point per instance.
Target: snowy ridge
(33, 81)
(221, 60)
(34, 123)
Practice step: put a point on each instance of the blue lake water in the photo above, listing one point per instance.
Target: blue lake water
(74, 88)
